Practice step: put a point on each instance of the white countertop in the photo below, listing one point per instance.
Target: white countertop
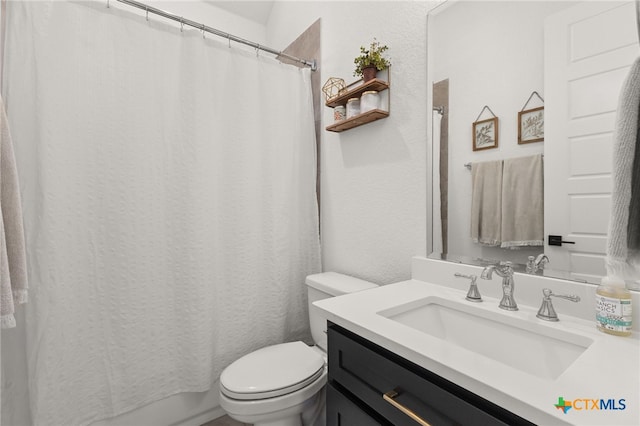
(608, 369)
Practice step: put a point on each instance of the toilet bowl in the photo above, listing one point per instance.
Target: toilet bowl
(283, 385)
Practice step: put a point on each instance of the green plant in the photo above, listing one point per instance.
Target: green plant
(373, 56)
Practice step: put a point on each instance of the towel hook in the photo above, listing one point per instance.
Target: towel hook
(529, 100)
(486, 107)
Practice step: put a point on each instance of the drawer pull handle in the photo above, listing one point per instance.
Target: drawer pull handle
(389, 397)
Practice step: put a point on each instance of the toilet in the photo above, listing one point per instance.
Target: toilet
(283, 385)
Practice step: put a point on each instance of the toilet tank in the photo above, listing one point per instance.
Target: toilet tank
(325, 285)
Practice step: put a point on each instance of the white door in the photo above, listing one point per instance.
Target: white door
(588, 51)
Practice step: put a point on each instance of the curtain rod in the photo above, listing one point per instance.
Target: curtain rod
(202, 27)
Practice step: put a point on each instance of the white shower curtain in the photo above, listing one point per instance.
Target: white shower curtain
(168, 188)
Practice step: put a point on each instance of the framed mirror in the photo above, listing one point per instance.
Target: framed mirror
(496, 54)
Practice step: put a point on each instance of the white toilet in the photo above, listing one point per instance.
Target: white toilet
(283, 385)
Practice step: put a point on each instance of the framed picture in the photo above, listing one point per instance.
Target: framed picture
(485, 134)
(531, 125)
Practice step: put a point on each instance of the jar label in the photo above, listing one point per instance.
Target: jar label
(613, 314)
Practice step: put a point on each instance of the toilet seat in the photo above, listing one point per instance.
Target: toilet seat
(272, 371)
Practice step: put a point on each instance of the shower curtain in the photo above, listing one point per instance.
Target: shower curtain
(168, 186)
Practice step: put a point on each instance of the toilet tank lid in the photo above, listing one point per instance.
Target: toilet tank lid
(336, 284)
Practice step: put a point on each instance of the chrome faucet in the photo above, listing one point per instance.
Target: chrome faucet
(546, 311)
(473, 295)
(536, 263)
(504, 270)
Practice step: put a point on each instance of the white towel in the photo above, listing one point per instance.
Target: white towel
(622, 261)
(13, 265)
(522, 202)
(486, 199)
(633, 228)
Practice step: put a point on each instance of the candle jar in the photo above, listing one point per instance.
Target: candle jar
(353, 107)
(370, 100)
(339, 113)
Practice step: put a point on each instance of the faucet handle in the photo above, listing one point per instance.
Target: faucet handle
(546, 292)
(531, 265)
(546, 311)
(506, 266)
(536, 263)
(541, 260)
(473, 295)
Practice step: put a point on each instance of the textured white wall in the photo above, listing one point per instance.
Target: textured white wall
(373, 177)
(204, 12)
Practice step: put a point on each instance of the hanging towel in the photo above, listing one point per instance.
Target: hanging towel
(522, 202)
(633, 229)
(486, 199)
(13, 265)
(623, 253)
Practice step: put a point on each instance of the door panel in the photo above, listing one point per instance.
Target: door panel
(585, 164)
(593, 94)
(589, 49)
(585, 42)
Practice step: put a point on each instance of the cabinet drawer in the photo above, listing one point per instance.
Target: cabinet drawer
(368, 371)
(342, 411)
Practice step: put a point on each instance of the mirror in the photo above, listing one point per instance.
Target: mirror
(492, 53)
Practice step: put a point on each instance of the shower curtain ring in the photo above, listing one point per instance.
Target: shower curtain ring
(229, 39)
(147, 10)
(108, 4)
(181, 24)
(257, 50)
(203, 31)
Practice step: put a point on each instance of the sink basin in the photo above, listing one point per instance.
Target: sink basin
(522, 344)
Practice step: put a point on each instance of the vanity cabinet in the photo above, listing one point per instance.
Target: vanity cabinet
(361, 373)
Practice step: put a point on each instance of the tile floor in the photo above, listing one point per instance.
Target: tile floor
(224, 421)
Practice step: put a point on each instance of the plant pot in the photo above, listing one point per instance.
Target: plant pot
(369, 73)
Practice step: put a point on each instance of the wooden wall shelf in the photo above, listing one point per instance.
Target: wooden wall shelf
(358, 120)
(356, 92)
(375, 84)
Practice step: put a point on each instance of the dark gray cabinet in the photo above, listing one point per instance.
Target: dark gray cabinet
(346, 411)
(361, 373)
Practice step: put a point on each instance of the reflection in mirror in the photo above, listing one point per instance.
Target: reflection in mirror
(494, 54)
(440, 164)
(517, 267)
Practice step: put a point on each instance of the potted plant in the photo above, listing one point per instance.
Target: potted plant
(371, 60)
